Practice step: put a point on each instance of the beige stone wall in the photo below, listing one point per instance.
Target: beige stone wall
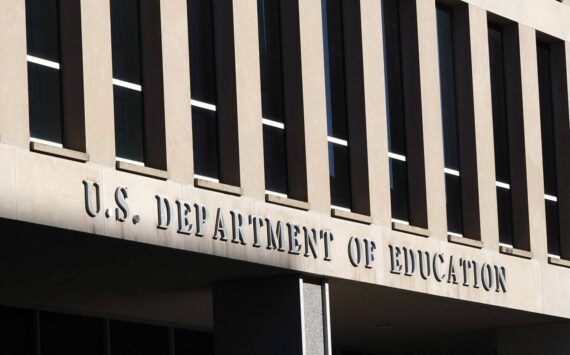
(48, 190)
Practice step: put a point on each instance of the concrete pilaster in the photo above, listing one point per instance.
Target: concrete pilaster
(252, 179)
(532, 141)
(177, 110)
(431, 113)
(376, 122)
(14, 122)
(98, 76)
(278, 316)
(483, 124)
(314, 101)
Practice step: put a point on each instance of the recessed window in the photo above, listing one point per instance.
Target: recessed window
(547, 123)
(203, 88)
(71, 334)
(274, 129)
(127, 80)
(397, 151)
(337, 125)
(130, 338)
(137, 83)
(55, 78)
(500, 135)
(452, 169)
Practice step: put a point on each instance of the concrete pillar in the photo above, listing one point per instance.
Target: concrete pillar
(480, 162)
(279, 316)
(314, 101)
(532, 142)
(431, 114)
(14, 122)
(248, 85)
(98, 75)
(176, 77)
(376, 121)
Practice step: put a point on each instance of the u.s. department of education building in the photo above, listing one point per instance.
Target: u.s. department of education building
(300, 177)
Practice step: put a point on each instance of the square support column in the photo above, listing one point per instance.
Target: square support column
(14, 122)
(248, 86)
(376, 121)
(98, 82)
(279, 316)
(176, 77)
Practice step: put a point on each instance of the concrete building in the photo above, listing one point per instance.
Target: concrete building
(284, 177)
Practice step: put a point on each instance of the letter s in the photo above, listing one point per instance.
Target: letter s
(122, 210)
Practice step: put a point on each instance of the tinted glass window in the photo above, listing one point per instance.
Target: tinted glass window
(447, 85)
(270, 59)
(399, 189)
(126, 40)
(202, 60)
(42, 29)
(17, 331)
(128, 123)
(547, 119)
(505, 216)
(190, 342)
(395, 89)
(45, 103)
(275, 159)
(335, 69)
(339, 175)
(63, 334)
(500, 131)
(205, 136)
(552, 227)
(130, 338)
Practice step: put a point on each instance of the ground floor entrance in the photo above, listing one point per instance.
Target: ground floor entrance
(65, 292)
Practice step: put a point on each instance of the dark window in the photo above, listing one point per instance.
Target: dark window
(548, 146)
(128, 95)
(63, 334)
(395, 111)
(44, 75)
(128, 123)
(203, 83)
(17, 331)
(500, 135)
(269, 20)
(188, 342)
(449, 119)
(270, 57)
(130, 338)
(339, 165)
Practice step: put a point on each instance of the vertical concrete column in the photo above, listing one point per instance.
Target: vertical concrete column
(98, 75)
(532, 141)
(14, 122)
(376, 121)
(278, 316)
(248, 85)
(314, 101)
(484, 163)
(176, 77)
(431, 113)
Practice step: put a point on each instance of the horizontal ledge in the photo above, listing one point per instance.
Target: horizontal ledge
(59, 152)
(142, 170)
(288, 202)
(401, 227)
(351, 216)
(216, 186)
(515, 252)
(559, 262)
(473, 243)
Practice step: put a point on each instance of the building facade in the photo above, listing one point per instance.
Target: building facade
(284, 177)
